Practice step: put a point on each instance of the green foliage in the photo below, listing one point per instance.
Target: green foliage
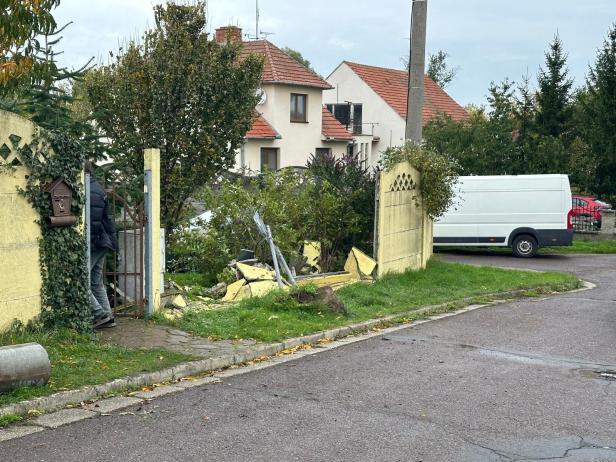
(8, 419)
(297, 56)
(22, 23)
(599, 116)
(342, 200)
(438, 69)
(63, 262)
(227, 275)
(438, 175)
(197, 251)
(57, 151)
(331, 202)
(548, 130)
(554, 93)
(280, 198)
(180, 92)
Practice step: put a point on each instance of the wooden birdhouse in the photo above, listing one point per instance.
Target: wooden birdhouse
(61, 195)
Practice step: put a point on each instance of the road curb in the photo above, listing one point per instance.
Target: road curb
(65, 398)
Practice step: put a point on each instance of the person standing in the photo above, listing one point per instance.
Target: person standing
(102, 240)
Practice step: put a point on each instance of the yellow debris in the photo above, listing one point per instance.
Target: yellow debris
(327, 279)
(260, 288)
(244, 292)
(312, 252)
(360, 264)
(233, 290)
(253, 273)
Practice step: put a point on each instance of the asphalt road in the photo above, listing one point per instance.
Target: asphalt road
(520, 381)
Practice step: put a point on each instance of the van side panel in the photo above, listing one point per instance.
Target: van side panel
(489, 210)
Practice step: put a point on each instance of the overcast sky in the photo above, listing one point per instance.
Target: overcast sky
(487, 39)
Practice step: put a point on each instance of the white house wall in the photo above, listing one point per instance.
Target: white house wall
(348, 86)
(298, 140)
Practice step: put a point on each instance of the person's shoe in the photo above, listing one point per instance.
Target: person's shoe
(110, 323)
(101, 320)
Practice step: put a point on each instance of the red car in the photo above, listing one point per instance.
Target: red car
(586, 212)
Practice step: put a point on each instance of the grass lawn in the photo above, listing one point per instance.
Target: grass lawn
(579, 246)
(584, 246)
(276, 316)
(189, 279)
(78, 360)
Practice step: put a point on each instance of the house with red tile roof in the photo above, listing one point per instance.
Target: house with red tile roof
(371, 103)
(290, 122)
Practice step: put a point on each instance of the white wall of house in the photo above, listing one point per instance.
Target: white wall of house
(348, 86)
(363, 148)
(298, 139)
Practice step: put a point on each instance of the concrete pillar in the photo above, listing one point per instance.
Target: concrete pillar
(152, 231)
(24, 365)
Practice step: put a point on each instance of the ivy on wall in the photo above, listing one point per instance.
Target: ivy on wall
(63, 259)
(438, 175)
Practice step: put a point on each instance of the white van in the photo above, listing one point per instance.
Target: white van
(524, 212)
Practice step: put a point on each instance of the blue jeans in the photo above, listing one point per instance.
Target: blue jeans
(99, 302)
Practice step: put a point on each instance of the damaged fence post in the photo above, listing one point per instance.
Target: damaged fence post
(274, 256)
(285, 266)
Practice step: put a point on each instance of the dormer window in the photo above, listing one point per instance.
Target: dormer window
(298, 107)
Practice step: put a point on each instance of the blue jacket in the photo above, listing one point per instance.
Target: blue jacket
(102, 228)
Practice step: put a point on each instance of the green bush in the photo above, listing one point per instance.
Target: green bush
(197, 251)
(343, 202)
(438, 175)
(332, 201)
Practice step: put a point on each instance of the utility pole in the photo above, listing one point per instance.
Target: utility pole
(257, 20)
(417, 62)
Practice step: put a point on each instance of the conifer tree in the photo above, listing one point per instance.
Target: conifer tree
(554, 92)
(600, 116)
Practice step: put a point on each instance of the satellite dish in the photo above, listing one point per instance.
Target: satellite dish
(261, 95)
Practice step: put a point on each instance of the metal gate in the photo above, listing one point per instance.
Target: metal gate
(124, 269)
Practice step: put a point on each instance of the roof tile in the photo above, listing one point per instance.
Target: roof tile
(392, 86)
(261, 129)
(279, 67)
(332, 129)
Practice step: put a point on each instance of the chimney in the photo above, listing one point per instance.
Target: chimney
(228, 34)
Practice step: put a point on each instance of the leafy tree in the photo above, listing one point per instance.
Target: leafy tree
(63, 144)
(297, 56)
(22, 22)
(554, 92)
(600, 117)
(484, 144)
(438, 69)
(182, 93)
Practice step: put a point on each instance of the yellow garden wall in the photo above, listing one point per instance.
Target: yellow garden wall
(403, 229)
(20, 278)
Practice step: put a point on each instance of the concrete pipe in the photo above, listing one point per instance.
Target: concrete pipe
(23, 366)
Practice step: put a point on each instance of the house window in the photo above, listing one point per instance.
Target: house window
(322, 152)
(269, 159)
(298, 107)
(357, 119)
(349, 115)
(363, 155)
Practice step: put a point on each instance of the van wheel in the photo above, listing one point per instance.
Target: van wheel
(525, 246)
